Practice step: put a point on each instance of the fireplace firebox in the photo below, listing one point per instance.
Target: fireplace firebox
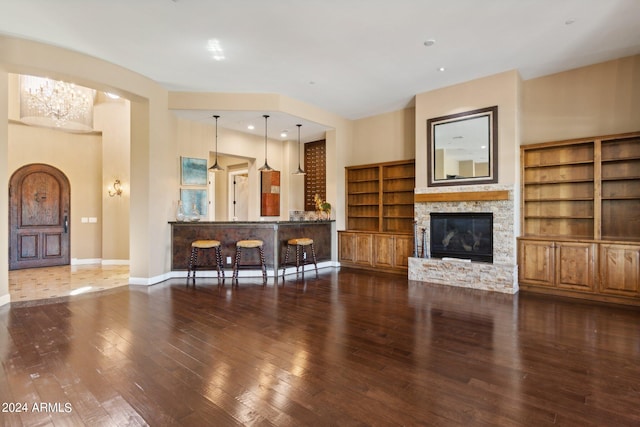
(462, 235)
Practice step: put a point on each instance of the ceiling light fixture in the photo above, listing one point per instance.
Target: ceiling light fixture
(216, 167)
(251, 127)
(284, 133)
(266, 166)
(213, 46)
(56, 104)
(300, 171)
(441, 69)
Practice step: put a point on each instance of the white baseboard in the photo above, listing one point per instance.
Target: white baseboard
(5, 299)
(85, 261)
(115, 262)
(148, 281)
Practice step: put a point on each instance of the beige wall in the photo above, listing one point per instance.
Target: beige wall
(4, 183)
(600, 99)
(79, 157)
(104, 157)
(595, 100)
(502, 90)
(154, 172)
(338, 139)
(197, 139)
(383, 138)
(152, 143)
(112, 118)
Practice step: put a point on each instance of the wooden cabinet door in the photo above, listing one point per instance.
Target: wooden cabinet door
(364, 249)
(402, 251)
(383, 250)
(347, 247)
(575, 265)
(536, 262)
(620, 269)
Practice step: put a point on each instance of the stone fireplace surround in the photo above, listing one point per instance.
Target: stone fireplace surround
(499, 276)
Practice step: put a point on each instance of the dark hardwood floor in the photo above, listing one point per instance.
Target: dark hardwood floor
(347, 348)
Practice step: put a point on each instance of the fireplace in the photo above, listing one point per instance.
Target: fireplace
(462, 235)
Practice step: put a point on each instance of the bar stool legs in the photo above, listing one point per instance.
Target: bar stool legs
(300, 243)
(250, 244)
(196, 247)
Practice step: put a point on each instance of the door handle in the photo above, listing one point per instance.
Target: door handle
(66, 224)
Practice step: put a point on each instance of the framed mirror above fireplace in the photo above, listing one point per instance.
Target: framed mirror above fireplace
(463, 148)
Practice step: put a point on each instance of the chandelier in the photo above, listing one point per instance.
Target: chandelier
(56, 104)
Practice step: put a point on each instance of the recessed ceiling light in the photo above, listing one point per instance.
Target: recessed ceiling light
(429, 42)
(251, 127)
(213, 46)
(284, 133)
(441, 69)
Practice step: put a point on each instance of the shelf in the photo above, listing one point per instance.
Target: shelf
(566, 181)
(364, 216)
(354, 181)
(364, 204)
(620, 198)
(398, 217)
(394, 178)
(462, 196)
(550, 165)
(358, 193)
(621, 159)
(582, 217)
(620, 178)
(559, 199)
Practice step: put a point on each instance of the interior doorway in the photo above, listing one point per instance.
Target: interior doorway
(239, 195)
(39, 209)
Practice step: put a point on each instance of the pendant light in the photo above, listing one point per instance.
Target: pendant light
(216, 167)
(299, 171)
(266, 166)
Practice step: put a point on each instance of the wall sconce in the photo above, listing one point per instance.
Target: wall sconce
(115, 189)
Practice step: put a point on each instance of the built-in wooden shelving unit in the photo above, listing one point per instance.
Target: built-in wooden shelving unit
(581, 217)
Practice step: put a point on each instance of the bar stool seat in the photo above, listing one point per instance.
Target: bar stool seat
(196, 247)
(250, 244)
(300, 243)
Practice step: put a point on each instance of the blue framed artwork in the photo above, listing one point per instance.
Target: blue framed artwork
(191, 197)
(194, 171)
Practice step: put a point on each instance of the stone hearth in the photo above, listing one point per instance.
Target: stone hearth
(502, 274)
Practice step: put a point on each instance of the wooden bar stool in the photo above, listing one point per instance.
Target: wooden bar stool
(300, 243)
(196, 247)
(250, 244)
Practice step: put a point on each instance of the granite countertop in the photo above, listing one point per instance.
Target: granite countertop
(251, 222)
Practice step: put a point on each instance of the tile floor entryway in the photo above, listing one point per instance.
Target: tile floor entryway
(34, 284)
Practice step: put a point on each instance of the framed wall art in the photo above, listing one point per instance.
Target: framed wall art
(270, 193)
(194, 197)
(193, 171)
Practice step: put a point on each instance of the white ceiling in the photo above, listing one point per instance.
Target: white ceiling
(355, 58)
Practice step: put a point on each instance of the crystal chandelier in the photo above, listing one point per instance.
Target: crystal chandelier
(56, 104)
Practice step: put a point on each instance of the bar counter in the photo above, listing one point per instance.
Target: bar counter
(274, 234)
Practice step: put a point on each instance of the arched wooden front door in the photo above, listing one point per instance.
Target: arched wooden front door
(39, 201)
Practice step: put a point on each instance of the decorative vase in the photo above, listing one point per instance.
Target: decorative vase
(195, 215)
(180, 216)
